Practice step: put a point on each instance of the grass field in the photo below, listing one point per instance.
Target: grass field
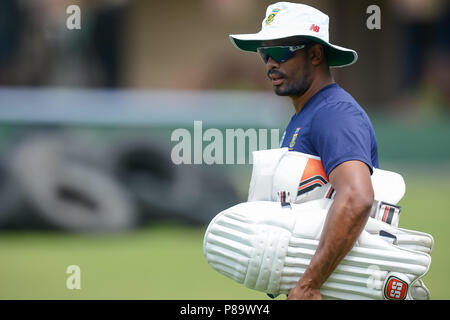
(166, 261)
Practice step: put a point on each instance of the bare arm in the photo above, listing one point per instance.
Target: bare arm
(345, 220)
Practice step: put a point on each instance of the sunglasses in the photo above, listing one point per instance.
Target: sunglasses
(280, 54)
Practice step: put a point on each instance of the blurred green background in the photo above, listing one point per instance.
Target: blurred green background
(165, 261)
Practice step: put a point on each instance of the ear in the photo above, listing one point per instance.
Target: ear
(317, 54)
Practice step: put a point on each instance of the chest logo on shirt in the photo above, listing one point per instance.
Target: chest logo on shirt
(294, 138)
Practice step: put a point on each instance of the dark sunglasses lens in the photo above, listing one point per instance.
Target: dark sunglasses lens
(263, 54)
(276, 53)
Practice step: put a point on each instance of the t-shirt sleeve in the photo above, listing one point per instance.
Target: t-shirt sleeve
(340, 133)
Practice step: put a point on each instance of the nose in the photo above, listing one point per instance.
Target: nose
(272, 64)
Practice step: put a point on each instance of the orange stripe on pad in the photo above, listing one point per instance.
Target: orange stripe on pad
(329, 192)
(385, 214)
(312, 182)
(314, 168)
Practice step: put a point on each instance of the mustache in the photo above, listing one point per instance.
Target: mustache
(275, 73)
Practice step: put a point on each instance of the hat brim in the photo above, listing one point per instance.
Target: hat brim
(337, 56)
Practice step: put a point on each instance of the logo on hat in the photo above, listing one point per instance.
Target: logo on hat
(272, 16)
(314, 28)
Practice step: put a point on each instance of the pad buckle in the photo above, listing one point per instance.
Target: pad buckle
(285, 199)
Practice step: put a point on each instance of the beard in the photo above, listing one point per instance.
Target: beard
(295, 87)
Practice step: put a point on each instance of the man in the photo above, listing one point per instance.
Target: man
(327, 123)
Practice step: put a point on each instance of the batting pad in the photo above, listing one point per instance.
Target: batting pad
(303, 178)
(268, 248)
(404, 238)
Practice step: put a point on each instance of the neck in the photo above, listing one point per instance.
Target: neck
(317, 84)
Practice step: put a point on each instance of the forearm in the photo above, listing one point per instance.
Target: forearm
(345, 221)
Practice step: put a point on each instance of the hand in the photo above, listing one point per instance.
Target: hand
(304, 293)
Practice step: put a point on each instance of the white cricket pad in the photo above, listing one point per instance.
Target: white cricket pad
(303, 178)
(404, 238)
(268, 248)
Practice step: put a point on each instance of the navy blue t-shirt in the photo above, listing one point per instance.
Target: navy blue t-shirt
(334, 127)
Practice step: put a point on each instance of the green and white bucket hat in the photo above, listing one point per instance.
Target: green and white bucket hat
(286, 19)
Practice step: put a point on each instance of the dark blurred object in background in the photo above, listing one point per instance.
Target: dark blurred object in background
(163, 190)
(37, 49)
(425, 52)
(10, 199)
(55, 180)
(10, 31)
(64, 191)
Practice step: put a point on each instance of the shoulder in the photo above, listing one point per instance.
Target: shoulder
(335, 93)
(338, 105)
(339, 114)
